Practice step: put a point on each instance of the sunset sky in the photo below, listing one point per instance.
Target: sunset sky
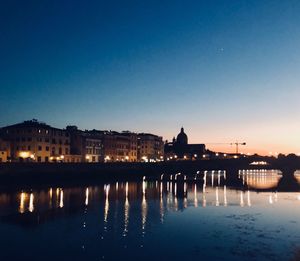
(224, 70)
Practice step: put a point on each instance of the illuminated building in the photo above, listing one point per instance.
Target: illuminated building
(150, 147)
(179, 149)
(117, 146)
(86, 144)
(4, 150)
(33, 141)
(120, 146)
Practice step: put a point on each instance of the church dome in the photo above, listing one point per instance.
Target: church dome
(182, 138)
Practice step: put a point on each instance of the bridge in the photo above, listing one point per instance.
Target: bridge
(12, 174)
(287, 165)
(232, 167)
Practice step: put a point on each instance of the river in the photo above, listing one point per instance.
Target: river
(208, 218)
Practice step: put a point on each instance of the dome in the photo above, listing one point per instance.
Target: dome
(182, 137)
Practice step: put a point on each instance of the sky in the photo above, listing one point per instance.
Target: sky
(224, 70)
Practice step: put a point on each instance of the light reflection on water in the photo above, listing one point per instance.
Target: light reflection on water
(206, 218)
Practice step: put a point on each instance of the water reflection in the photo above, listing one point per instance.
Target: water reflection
(177, 195)
(225, 196)
(106, 206)
(126, 211)
(195, 196)
(61, 199)
(260, 179)
(248, 199)
(31, 207)
(86, 196)
(50, 197)
(144, 213)
(134, 210)
(22, 203)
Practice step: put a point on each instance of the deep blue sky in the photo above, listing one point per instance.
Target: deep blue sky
(225, 70)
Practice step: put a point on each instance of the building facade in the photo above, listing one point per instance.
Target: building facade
(33, 141)
(179, 149)
(150, 147)
(87, 144)
(119, 146)
(4, 150)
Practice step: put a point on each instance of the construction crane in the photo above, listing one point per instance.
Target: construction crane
(237, 144)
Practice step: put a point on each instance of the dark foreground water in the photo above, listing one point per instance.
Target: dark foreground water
(210, 219)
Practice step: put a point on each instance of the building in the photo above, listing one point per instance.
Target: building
(33, 141)
(72, 158)
(179, 149)
(119, 146)
(87, 144)
(150, 147)
(4, 151)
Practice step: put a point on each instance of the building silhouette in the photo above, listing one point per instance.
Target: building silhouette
(179, 149)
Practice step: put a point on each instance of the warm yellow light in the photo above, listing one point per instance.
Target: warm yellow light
(61, 199)
(259, 163)
(195, 155)
(22, 208)
(62, 156)
(24, 154)
(87, 196)
(31, 207)
(87, 157)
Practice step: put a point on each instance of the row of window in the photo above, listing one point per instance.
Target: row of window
(39, 131)
(151, 141)
(93, 151)
(40, 148)
(122, 153)
(93, 144)
(93, 159)
(53, 141)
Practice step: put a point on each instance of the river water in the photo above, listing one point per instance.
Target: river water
(208, 218)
